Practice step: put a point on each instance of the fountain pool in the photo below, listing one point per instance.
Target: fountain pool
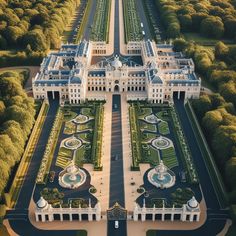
(72, 176)
(161, 176)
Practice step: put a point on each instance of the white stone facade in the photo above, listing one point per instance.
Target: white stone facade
(188, 212)
(164, 74)
(45, 212)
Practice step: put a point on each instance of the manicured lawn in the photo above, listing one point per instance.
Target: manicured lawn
(204, 40)
(70, 127)
(64, 157)
(141, 139)
(146, 126)
(65, 152)
(147, 137)
(63, 161)
(151, 233)
(153, 156)
(163, 115)
(163, 128)
(145, 112)
(85, 136)
(87, 111)
(85, 126)
(81, 233)
(79, 156)
(169, 157)
(68, 114)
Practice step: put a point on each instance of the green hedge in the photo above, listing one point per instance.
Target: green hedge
(96, 154)
(135, 139)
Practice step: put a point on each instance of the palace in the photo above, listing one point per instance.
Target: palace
(162, 75)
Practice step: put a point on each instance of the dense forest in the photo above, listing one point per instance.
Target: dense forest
(34, 25)
(16, 120)
(216, 112)
(212, 18)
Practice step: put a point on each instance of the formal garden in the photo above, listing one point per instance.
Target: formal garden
(157, 138)
(132, 22)
(101, 23)
(74, 126)
(72, 143)
(156, 135)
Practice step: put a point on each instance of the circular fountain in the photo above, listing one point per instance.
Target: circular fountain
(161, 143)
(81, 119)
(161, 176)
(152, 119)
(72, 176)
(72, 143)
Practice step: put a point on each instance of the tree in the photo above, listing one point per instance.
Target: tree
(185, 22)
(212, 120)
(22, 116)
(2, 111)
(222, 143)
(216, 100)
(212, 27)
(35, 39)
(228, 91)
(53, 38)
(221, 50)
(12, 34)
(202, 105)
(173, 30)
(230, 26)
(14, 131)
(197, 19)
(4, 174)
(9, 150)
(3, 43)
(180, 44)
(230, 172)
(10, 87)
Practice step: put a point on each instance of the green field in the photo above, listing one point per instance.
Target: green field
(198, 38)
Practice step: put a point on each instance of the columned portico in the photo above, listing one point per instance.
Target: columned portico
(45, 212)
(188, 212)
